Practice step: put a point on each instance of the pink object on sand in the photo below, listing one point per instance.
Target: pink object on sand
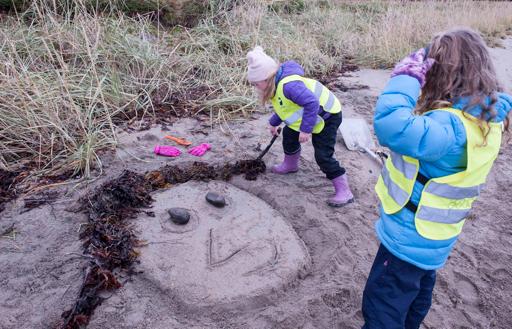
(166, 150)
(200, 150)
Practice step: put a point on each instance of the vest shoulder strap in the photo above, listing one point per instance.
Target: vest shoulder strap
(294, 77)
(422, 179)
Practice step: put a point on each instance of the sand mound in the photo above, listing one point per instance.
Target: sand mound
(223, 255)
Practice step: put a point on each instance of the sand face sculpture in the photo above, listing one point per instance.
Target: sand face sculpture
(222, 256)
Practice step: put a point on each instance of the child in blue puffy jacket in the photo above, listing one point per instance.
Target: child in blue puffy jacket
(440, 158)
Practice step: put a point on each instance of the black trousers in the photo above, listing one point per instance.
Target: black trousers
(323, 144)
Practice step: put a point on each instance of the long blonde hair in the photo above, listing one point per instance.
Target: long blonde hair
(270, 90)
(462, 68)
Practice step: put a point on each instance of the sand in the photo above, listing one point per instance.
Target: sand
(42, 267)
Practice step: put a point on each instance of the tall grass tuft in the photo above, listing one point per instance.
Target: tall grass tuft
(68, 76)
(64, 80)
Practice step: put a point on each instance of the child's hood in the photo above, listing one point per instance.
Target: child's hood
(503, 106)
(290, 68)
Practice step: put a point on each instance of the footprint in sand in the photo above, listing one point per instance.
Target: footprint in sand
(468, 257)
(501, 274)
(468, 291)
(343, 228)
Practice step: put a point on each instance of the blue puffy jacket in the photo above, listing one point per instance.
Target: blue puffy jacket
(438, 140)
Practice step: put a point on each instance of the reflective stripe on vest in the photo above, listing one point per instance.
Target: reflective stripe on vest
(297, 116)
(446, 216)
(453, 192)
(330, 101)
(446, 191)
(396, 182)
(407, 169)
(318, 89)
(395, 192)
(445, 201)
(291, 113)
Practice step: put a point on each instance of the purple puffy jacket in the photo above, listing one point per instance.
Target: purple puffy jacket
(297, 92)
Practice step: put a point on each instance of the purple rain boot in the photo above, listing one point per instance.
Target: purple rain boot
(290, 164)
(343, 194)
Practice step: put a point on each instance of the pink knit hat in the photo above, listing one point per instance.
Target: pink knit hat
(260, 66)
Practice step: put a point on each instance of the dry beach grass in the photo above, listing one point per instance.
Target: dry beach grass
(67, 78)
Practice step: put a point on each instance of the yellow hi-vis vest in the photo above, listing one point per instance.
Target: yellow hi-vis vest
(291, 113)
(445, 201)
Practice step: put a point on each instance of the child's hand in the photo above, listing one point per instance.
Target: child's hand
(414, 65)
(273, 131)
(304, 137)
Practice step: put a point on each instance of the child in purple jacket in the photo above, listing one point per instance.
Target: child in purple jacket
(309, 111)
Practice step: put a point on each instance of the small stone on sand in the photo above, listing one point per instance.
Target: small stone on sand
(179, 216)
(216, 199)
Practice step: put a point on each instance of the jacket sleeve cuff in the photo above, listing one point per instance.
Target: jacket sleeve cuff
(274, 120)
(306, 128)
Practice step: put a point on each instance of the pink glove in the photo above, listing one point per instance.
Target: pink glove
(200, 149)
(414, 65)
(167, 150)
